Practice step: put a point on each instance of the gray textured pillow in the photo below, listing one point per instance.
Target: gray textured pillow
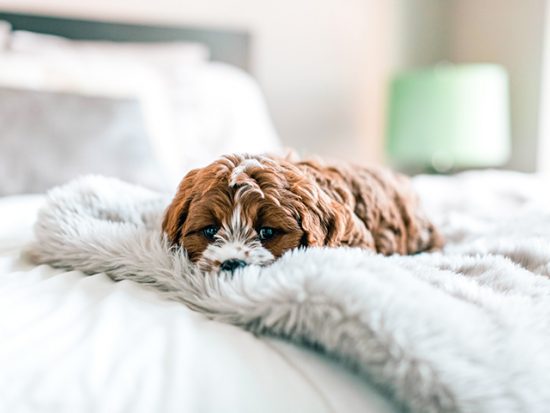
(47, 138)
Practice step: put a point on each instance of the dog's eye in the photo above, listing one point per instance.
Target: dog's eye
(210, 231)
(266, 233)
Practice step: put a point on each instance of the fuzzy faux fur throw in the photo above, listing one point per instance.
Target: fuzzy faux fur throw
(466, 330)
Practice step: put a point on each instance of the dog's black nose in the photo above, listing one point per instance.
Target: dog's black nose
(232, 265)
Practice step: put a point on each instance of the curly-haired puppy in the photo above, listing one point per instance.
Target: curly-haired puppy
(245, 209)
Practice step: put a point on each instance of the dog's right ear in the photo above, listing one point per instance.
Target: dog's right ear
(177, 211)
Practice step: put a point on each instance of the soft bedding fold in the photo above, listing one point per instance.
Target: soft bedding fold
(460, 331)
(76, 343)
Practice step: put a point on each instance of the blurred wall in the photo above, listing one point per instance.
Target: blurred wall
(310, 58)
(324, 65)
(506, 32)
(511, 33)
(543, 150)
(422, 31)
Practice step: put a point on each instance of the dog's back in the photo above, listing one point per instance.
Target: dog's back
(384, 203)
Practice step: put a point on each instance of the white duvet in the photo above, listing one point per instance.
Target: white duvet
(76, 343)
(71, 343)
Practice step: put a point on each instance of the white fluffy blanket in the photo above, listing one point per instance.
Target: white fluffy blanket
(466, 330)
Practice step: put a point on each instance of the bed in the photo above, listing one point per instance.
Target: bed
(465, 330)
(71, 342)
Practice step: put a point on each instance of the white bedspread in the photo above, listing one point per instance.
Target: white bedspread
(463, 331)
(76, 343)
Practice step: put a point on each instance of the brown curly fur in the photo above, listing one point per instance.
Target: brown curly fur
(309, 203)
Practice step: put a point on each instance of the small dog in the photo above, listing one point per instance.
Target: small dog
(245, 209)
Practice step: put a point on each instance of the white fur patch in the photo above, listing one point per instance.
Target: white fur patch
(236, 223)
(251, 253)
(242, 168)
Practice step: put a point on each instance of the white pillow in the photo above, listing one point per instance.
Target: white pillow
(160, 73)
(195, 110)
(48, 138)
(160, 53)
(5, 32)
(94, 78)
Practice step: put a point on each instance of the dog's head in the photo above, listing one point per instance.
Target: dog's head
(243, 210)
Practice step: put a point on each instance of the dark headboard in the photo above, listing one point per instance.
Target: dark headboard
(230, 46)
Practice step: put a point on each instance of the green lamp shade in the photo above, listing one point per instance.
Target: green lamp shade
(449, 117)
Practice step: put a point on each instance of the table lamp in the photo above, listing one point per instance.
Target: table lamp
(449, 117)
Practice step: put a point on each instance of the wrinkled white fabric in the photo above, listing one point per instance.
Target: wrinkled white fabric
(76, 343)
(465, 330)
